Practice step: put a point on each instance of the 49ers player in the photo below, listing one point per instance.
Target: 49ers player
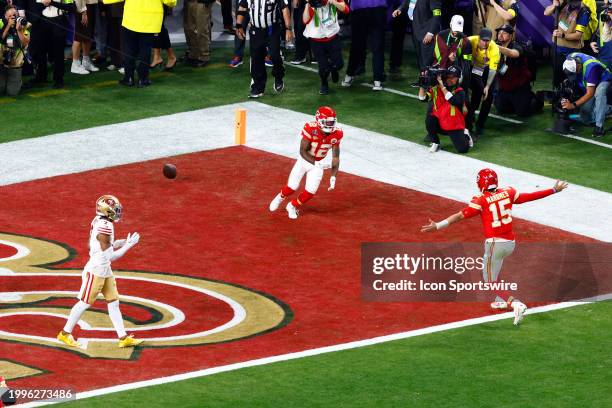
(97, 274)
(318, 138)
(494, 205)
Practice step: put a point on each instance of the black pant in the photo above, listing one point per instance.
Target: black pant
(398, 30)
(162, 40)
(458, 137)
(49, 38)
(521, 101)
(363, 22)
(468, 17)
(302, 45)
(424, 53)
(115, 37)
(226, 12)
(260, 39)
(558, 75)
(328, 55)
(137, 50)
(477, 85)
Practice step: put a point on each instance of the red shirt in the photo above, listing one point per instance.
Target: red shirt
(495, 209)
(320, 142)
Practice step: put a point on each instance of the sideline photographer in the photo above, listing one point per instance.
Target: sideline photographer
(514, 80)
(14, 41)
(593, 78)
(495, 13)
(573, 19)
(452, 47)
(446, 111)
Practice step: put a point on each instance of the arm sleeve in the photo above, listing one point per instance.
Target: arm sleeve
(169, 3)
(536, 195)
(583, 19)
(404, 5)
(473, 209)
(458, 99)
(494, 57)
(66, 5)
(436, 10)
(306, 132)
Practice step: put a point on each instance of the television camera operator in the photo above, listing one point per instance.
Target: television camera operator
(14, 40)
(593, 79)
(447, 108)
(515, 77)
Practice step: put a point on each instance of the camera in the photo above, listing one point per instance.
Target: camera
(22, 21)
(429, 76)
(566, 90)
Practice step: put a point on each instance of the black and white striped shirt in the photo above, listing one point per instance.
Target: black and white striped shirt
(264, 13)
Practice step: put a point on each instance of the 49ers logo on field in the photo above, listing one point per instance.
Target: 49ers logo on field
(166, 310)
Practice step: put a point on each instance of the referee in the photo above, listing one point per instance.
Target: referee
(264, 32)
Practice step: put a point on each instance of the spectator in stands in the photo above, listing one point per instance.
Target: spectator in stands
(368, 18)
(162, 42)
(446, 112)
(196, 23)
(485, 60)
(573, 21)
(14, 40)
(425, 18)
(495, 13)
(593, 79)
(49, 26)
(601, 44)
(514, 80)
(302, 45)
(142, 19)
(322, 28)
(85, 19)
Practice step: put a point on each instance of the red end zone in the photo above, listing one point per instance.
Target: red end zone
(213, 222)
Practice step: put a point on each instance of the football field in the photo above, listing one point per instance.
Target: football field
(243, 307)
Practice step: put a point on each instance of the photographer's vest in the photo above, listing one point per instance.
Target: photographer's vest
(324, 23)
(588, 63)
(19, 56)
(517, 73)
(491, 18)
(568, 20)
(444, 47)
(449, 116)
(52, 11)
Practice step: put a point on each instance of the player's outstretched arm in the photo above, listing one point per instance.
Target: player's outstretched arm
(435, 226)
(559, 186)
(130, 241)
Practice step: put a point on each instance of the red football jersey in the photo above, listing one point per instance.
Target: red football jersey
(495, 209)
(320, 142)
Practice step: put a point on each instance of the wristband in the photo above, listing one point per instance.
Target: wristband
(441, 225)
(288, 28)
(238, 26)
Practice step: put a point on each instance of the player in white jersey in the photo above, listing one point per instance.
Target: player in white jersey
(318, 138)
(97, 274)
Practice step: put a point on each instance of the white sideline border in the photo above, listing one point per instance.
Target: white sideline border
(322, 350)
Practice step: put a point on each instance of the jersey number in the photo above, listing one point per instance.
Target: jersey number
(504, 213)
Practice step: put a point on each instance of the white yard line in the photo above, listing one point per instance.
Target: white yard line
(323, 350)
(364, 153)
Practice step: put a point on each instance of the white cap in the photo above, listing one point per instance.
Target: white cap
(569, 65)
(456, 23)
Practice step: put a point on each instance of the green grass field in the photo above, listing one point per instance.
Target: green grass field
(558, 359)
(96, 99)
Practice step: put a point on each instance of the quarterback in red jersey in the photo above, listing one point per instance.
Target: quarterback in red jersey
(494, 205)
(318, 138)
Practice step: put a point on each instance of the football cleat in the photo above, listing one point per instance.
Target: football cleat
(486, 179)
(434, 147)
(519, 311)
(275, 203)
(292, 212)
(499, 305)
(68, 340)
(326, 119)
(347, 81)
(109, 206)
(377, 86)
(129, 341)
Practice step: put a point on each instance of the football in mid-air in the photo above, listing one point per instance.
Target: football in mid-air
(169, 171)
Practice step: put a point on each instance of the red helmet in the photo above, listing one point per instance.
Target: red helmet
(326, 119)
(486, 179)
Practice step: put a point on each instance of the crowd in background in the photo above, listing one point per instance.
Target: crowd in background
(476, 36)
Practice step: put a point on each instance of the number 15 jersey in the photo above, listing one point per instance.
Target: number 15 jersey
(495, 209)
